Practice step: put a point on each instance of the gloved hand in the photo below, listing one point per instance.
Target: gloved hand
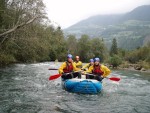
(83, 73)
(99, 78)
(64, 74)
(83, 69)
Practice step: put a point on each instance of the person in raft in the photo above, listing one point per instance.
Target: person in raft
(88, 65)
(98, 71)
(68, 68)
(78, 63)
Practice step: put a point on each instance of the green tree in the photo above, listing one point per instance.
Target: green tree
(114, 48)
(72, 44)
(83, 47)
(135, 56)
(60, 44)
(115, 61)
(32, 40)
(2, 10)
(98, 48)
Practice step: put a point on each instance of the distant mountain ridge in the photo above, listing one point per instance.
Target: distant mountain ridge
(140, 13)
(134, 24)
(99, 20)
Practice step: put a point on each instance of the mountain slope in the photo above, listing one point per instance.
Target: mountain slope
(98, 20)
(141, 13)
(133, 26)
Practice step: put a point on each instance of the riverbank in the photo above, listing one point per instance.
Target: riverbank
(132, 69)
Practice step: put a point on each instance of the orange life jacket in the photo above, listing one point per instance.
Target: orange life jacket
(97, 70)
(69, 68)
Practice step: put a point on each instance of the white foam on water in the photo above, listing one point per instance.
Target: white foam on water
(18, 78)
(136, 74)
(21, 65)
(115, 82)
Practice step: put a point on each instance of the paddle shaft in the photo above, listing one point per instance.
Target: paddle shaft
(110, 78)
(52, 77)
(52, 69)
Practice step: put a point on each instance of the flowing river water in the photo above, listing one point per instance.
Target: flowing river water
(25, 88)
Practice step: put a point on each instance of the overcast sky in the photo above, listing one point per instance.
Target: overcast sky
(68, 12)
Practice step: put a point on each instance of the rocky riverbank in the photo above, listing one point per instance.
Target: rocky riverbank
(134, 67)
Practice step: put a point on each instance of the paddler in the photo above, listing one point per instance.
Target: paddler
(68, 68)
(77, 62)
(97, 71)
(88, 65)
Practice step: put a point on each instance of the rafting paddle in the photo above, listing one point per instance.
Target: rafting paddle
(111, 78)
(114, 78)
(52, 77)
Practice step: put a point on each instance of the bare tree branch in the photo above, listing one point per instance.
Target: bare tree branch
(18, 26)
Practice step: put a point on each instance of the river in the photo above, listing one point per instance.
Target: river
(25, 88)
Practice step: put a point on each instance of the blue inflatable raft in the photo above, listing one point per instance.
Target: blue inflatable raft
(84, 86)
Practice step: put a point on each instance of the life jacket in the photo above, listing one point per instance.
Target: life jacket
(97, 70)
(78, 66)
(69, 68)
(89, 65)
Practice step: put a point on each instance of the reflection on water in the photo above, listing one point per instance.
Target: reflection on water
(25, 88)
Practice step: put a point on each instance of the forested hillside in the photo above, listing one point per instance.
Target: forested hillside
(129, 29)
(26, 34)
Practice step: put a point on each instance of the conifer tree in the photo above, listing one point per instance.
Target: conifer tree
(114, 48)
